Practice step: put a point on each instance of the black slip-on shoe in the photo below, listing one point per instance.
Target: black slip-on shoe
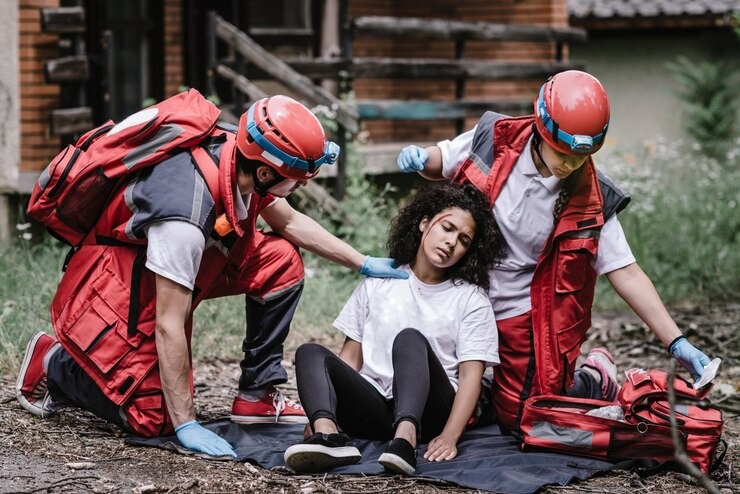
(399, 456)
(321, 452)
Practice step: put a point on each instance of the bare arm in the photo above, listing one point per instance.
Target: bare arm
(433, 167)
(173, 309)
(635, 288)
(351, 353)
(443, 447)
(306, 233)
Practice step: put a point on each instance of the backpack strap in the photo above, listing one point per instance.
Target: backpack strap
(208, 167)
(134, 306)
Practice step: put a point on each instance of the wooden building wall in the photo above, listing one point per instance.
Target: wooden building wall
(539, 12)
(38, 98)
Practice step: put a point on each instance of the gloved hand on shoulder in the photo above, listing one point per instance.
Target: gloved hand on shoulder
(412, 159)
(194, 436)
(690, 357)
(382, 267)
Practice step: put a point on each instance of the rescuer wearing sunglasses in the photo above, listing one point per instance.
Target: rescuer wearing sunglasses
(558, 214)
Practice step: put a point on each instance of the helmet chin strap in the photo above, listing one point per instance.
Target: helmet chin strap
(260, 187)
(536, 143)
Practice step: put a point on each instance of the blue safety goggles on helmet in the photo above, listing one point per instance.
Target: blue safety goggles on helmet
(578, 143)
(331, 150)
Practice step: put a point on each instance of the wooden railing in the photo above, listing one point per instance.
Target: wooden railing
(458, 68)
(277, 69)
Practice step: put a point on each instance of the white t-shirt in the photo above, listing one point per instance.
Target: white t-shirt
(523, 212)
(175, 248)
(457, 319)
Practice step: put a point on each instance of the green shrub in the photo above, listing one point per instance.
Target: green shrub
(709, 92)
(683, 223)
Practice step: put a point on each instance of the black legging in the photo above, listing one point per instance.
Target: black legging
(422, 392)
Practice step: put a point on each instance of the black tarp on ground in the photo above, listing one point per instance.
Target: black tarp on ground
(487, 459)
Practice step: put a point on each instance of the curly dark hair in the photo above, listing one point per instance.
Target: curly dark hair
(488, 245)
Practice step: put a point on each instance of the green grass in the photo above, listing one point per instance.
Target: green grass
(29, 274)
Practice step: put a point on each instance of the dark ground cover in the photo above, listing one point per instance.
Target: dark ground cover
(75, 452)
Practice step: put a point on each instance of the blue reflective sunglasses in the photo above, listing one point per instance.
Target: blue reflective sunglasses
(577, 142)
(331, 150)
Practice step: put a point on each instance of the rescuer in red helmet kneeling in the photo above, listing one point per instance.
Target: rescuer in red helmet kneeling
(169, 238)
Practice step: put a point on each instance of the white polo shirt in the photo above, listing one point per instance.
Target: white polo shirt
(523, 212)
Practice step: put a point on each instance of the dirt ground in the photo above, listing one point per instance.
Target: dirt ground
(75, 452)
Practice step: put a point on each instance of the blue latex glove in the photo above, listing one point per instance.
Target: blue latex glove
(412, 159)
(382, 267)
(194, 436)
(690, 357)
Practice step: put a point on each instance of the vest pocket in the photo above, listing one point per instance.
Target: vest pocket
(95, 333)
(147, 415)
(574, 263)
(570, 339)
(574, 282)
(117, 296)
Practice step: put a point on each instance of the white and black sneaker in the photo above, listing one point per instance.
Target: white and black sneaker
(321, 452)
(399, 457)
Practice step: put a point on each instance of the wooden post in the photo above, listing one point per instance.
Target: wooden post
(71, 121)
(459, 83)
(6, 219)
(345, 52)
(210, 52)
(108, 74)
(345, 30)
(330, 40)
(74, 68)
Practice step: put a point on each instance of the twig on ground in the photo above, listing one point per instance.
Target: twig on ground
(678, 450)
(184, 486)
(62, 482)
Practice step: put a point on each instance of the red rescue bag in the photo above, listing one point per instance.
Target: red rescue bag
(564, 424)
(71, 193)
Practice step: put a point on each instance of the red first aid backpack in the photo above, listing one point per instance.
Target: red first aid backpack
(70, 194)
(561, 423)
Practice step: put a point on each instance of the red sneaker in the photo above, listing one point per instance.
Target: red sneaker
(601, 360)
(273, 407)
(30, 390)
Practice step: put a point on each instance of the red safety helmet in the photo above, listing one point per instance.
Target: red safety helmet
(572, 113)
(284, 134)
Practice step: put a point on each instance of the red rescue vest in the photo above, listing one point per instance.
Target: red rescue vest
(564, 280)
(103, 311)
